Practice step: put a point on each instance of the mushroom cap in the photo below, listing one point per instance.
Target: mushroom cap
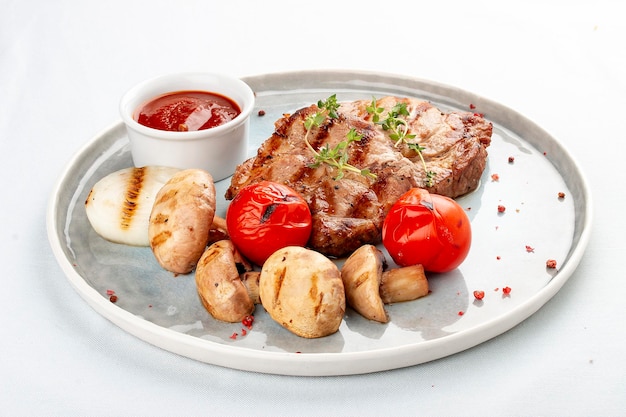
(362, 274)
(302, 290)
(181, 219)
(219, 286)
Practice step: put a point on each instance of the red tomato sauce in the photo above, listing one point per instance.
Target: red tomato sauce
(183, 111)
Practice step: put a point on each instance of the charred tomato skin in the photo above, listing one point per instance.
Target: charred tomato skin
(427, 229)
(266, 216)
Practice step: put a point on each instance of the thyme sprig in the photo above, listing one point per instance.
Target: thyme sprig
(336, 156)
(399, 131)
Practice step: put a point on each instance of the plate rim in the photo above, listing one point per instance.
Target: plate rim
(321, 364)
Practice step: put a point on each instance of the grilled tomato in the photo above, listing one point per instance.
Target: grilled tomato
(267, 216)
(427, 229)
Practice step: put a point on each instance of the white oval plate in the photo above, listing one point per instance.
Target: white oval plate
(509, 250)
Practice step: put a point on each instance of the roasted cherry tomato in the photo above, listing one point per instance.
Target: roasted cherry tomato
(427, 229)
(267, 216)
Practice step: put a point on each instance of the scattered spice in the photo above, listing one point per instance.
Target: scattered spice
(501, 208)
(561, 195)
(530, 249)
(261, 112)
(551, 263)
(479, 295)
(498, 258)
(511, 159)
(460, 313)
(247, 321)
(112, 296)
(506, 290)
(472, 106)
(495, 177)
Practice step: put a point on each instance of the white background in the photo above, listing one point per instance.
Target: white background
(63, 68)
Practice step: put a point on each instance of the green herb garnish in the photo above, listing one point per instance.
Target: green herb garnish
(399, 131)
(337, 156)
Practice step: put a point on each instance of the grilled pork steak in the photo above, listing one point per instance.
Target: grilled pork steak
(349, 212)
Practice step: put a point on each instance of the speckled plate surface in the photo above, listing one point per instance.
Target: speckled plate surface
(509, 249)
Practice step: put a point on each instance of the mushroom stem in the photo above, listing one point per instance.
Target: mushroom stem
(218, 230)
(403, 284)
(251, 281)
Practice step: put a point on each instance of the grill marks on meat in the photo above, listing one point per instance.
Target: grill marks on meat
(455, 144)
(349, 212)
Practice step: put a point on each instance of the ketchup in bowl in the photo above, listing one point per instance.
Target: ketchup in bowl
(183, 111)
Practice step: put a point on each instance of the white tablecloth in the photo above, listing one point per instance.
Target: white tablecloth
(63, 68)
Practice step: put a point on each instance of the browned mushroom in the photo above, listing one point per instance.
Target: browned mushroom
(251, 281)
(219, 285)
(361, 274)
(218, 230)
(302, 290)
(403, 284)
(181, 218)
(369, 288)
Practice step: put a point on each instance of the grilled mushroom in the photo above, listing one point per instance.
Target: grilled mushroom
(181, 218)
(368, 287)
(403, 284)
(362, 274)
(219, 285)
(251, 280)
(302, 290)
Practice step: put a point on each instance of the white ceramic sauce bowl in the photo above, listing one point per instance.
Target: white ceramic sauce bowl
(217, 150)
